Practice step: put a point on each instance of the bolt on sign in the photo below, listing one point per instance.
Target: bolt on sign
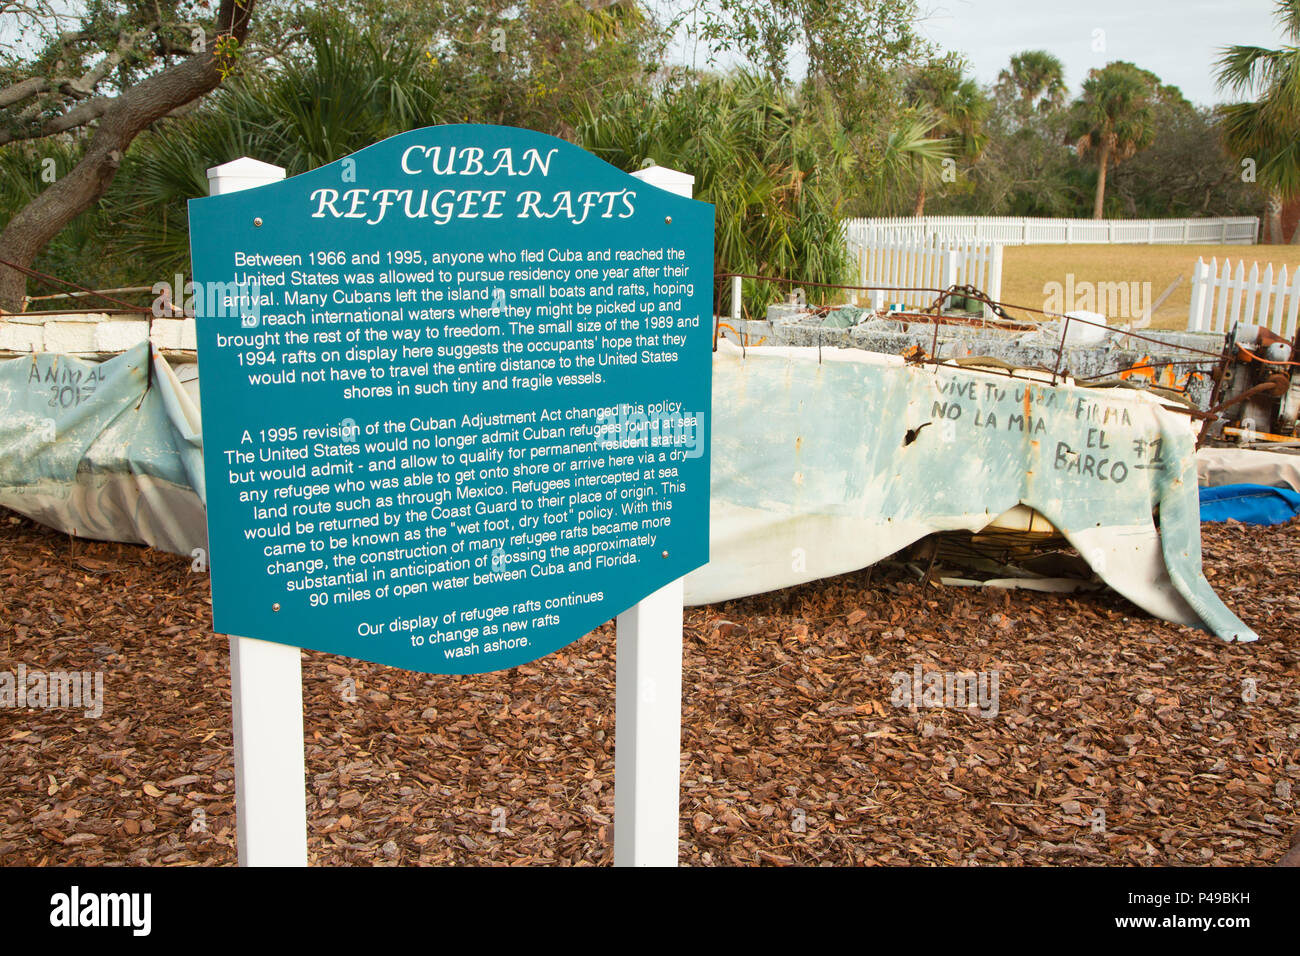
(455, 393)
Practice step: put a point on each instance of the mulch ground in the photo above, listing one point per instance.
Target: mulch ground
(793, 752)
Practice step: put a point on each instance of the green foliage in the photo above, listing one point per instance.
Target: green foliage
(1184, 172)
(1113, 114)
(342, 87)
(1112, 119)
(1026, 168)
(772, 163)
(872, 128)
(76, 254)
(75, 51)
(534, 64)
(958, 111)
(906, 157)
(1267, 129)
(849, 47)
(1035, 82)
(339, 92)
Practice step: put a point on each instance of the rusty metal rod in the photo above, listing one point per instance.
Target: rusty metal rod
(982, 297)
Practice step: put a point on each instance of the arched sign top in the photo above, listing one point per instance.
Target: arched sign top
(456, 394)
(446, 174)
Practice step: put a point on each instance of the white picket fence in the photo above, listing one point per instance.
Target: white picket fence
(1221, 297)
(929, 263)
(1017, 231)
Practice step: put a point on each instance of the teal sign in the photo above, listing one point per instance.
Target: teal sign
(455, 392)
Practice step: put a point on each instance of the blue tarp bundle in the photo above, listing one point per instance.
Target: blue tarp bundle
(1249, 504)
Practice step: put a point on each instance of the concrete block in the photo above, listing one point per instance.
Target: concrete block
(21, 337)
(118, 335)
(167, 333)
(70, 337)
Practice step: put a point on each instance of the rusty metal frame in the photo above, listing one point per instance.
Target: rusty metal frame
(1220, 359)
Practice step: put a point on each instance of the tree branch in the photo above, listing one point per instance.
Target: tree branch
(21, 90)
(78, 116)
(121, 119)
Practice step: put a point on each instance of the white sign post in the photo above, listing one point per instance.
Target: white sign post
(648, 730)
(265, 690)
(648, 696)
(266, 694)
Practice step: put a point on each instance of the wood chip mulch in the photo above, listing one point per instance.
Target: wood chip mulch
(1119, 739)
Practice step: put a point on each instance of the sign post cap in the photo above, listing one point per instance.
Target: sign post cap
(672, 180)
(245, 171)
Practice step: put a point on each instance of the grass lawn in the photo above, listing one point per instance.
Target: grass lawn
(1027, 270)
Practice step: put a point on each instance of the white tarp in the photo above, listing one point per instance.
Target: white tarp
(823, 462)
(826, 461)
(1245, 466)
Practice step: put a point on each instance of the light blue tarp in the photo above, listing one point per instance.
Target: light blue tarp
(104, 450)
(813, 472)
(826, 461)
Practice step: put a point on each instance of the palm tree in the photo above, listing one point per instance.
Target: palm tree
(1267, 129)
(1038, 78)
(1112, 120)
(909, 158)
(959, 111)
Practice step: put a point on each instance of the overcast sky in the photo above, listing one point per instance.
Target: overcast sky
(1178, 40)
